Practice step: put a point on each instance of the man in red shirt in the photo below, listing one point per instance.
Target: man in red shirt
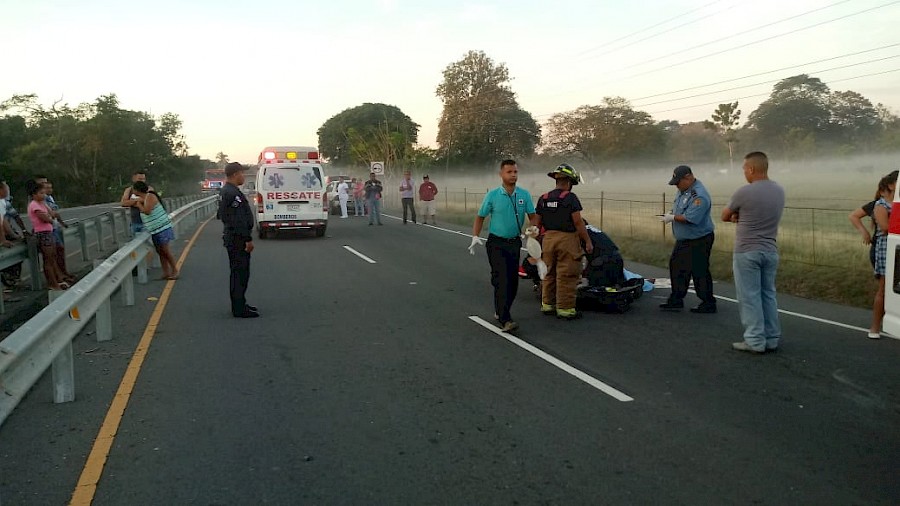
(427, 191)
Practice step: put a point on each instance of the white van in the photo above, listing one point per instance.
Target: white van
(290, 194)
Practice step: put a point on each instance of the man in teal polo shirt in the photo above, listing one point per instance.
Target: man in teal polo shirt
(508, 207)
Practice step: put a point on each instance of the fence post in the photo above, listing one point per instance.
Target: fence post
(98, 224)
(664, 212)
(601, 210)
(34, 263)
(62, 371)
(814, 236)
(446, 199)
(465, 201)
(631, 219)
(82, 237)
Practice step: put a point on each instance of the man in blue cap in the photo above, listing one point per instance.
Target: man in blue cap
(693, 228)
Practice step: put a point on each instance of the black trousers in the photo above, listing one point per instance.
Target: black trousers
(690, 258)
(239, 263)
(503, 255)
(412, 209)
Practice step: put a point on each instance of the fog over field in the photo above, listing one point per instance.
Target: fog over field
(833, 183)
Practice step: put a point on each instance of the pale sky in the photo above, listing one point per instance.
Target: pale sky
(246, 74)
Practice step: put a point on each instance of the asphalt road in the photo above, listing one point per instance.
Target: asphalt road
(370, 383)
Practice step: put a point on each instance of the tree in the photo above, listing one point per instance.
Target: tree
(797, 105)
(724, 119)
(481, 121)
(610, 131)
(366, 133)
(694, 142)
(91, 150)
(857, 122)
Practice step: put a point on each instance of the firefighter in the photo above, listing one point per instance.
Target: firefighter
(559, 213)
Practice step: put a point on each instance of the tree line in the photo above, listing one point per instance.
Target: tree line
(91, 150)
(482, 122)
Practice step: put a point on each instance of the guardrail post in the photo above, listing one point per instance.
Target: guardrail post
(153, 261)
(62, 371)
(34, 263)
(82, 238)
(103, 316)
(98, 224)
(142, 271)
(128, 290)
(112, 226)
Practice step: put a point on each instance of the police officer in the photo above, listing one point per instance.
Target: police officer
(692, 227)
(237, 216)
(559, 212)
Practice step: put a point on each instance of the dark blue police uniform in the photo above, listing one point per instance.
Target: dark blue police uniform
(237, 216)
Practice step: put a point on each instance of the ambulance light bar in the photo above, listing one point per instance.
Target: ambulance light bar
(290, 156)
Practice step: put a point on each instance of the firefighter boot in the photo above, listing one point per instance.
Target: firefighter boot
(568, 314)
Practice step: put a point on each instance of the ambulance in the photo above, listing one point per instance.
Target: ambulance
(290, 194)
(891, 324)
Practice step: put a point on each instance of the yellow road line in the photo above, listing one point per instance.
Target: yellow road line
(93, 468)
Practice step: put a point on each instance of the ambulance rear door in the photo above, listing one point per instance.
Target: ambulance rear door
(891, 324)
(290, 193)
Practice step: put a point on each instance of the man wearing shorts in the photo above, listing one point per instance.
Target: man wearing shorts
(427, 192)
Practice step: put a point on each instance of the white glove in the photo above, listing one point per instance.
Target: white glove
(532, 231)
(667, 218)
(476, 241)
(542, 269)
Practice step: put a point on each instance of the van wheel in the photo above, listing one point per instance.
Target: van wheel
(320, 232)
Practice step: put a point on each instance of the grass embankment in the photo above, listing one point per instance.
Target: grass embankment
(851, 284)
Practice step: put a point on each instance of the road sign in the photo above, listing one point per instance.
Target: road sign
(378, 168)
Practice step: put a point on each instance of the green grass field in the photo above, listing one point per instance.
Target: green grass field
(822, 255)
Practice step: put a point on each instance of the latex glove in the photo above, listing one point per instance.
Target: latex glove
(476, 241)
(542, 269)
(532, 231)
(667, 218)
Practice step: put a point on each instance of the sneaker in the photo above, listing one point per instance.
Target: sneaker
(522, 273)
(672, 306)
(496, 317)
(704, 309)
(568, 314)
(510, 326)
(874, 335)
(743, 346)
(548, 309)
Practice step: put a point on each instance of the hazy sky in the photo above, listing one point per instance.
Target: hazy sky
(246, 74)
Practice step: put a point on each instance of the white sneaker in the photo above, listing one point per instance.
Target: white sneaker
(874, 335)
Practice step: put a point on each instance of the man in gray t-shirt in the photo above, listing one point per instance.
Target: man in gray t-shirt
(756, 210)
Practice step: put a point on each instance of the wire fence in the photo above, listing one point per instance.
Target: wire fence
(820, 236)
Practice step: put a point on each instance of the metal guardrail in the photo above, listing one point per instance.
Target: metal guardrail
(45, 341)
(96, 232)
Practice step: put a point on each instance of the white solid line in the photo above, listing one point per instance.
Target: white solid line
(360, 255)
(790, 313)
(805, 316)
(583, 376)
